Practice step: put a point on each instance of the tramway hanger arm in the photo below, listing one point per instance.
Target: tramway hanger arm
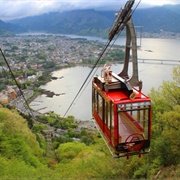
(131, 45)
(122, 20)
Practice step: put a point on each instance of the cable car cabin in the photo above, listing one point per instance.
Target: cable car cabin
(123, 115)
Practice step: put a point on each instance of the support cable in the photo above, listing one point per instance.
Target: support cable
(100, 56)
(97, 67)
(30, 111)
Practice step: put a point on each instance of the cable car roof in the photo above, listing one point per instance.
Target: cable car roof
(118, 96)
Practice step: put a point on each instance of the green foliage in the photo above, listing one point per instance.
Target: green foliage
(71, 133)
(167, 145)
(55, 120)
(38, 128)
(4, 33)
(23, 57)
(51, 118)
(30, 72)
(14, 48)
(41, 56)
(175, 75)
(87, 137)
(41, 140)
(49, 65)
(16, 139)
(166, 116)
(66, 123)
(20, 154)
(62, 139)
(117, 55)
(69, 150)
(51, 48)
(52, 163)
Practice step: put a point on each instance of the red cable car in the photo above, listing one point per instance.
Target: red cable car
(123, 116)
(121, 111)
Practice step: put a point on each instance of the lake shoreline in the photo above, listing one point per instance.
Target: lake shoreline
(152, 75)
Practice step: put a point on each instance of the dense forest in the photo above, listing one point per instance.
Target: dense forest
(25, 153)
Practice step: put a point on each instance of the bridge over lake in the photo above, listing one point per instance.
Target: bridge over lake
(160, 61)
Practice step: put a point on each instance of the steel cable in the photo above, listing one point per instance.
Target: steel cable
(12, 74)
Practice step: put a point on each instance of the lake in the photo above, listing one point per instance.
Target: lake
(152, 75)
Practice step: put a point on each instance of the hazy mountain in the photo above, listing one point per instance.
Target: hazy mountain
(82, 22)
(10, 27)
(154, 19)
(91, 22)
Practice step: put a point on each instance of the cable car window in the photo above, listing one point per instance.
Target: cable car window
(100, 106)
(103, 107)
(108, 115)
(133, 118)
(93, 99)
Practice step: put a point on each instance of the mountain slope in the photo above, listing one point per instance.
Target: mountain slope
(96, 23)
(10, 27)
(83, 22)
(154, 19)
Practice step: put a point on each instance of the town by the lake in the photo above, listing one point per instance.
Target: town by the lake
(32, 58)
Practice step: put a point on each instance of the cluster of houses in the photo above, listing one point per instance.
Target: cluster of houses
(9, 94)
(31, 78)
(53, 48)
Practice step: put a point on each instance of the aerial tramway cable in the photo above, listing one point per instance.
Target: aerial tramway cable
(97, 67)
(99, 58)
(30, 112)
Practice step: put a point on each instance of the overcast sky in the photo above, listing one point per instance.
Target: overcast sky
(11, 9)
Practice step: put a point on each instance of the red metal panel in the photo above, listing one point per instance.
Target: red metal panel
(103, 127)
(116, 134)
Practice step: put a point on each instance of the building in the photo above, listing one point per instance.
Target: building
(4, 97)
(11, 93)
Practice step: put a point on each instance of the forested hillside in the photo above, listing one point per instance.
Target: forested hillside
(23, 151)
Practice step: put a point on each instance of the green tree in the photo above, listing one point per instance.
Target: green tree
(17, 142)
(166, 121)
(38, 128)
(14, 48)
(69, 150)
(41, 56)
(66, 123)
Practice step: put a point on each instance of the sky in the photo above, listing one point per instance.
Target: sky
(13, 9)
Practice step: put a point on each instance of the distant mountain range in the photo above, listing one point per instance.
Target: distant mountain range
(96, 23)
(10, 27)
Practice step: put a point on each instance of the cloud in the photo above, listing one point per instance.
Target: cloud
(11, 9)
(162, 2)
(32, 7)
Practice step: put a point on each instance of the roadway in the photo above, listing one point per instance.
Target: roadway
(20, 104)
